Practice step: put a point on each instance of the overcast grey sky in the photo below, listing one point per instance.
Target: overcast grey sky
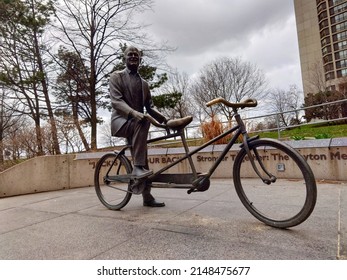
(259, 31)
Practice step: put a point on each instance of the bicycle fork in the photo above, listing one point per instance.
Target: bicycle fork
(246, 139)
(271, 178)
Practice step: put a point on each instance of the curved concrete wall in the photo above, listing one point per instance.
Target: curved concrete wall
(327, 158)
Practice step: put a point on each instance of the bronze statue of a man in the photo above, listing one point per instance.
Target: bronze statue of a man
(130, 94)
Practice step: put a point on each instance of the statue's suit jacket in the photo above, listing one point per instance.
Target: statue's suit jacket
(122, 103)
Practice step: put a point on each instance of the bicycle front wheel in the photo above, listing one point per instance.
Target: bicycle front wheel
(112, 193)
(290, 197)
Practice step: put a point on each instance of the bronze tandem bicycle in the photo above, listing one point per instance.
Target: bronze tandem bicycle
(272, 179)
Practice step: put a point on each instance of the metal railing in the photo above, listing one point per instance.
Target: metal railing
(194, 131)
(277, 115)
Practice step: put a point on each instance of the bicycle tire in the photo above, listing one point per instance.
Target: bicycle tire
(112, 194)
(285, 203)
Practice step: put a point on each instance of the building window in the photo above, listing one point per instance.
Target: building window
(340, 17)
(341, 55)
(339, 27)
(329, 76)
(327, 58)
(341, 64)
(323, 24)
(342, 73)
(340, 36)
(324, 32)
(326, 50)
(326, 41)
(335, 2)
(322, 16)
(321, 7)
(339, 9)
(329, 67)
(340, 45)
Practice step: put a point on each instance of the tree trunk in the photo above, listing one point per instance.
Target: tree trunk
(54, 132)
(93, 120)
(39, 138)
(78, 126)
(92, 89)
(1, 149)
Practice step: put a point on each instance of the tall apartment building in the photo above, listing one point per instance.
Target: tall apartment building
(322, 36)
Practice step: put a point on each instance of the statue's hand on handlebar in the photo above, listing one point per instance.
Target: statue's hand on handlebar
(137, 115)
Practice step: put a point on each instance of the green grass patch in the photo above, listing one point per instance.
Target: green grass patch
(312, 131)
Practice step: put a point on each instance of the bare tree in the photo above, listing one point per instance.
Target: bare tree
(8, 119)
(319, 92)
(70, 134)
(316, 79)
(94, 30)
(282, 101)
(106, 136)
(230, 78)
(23, 66)
(20, 140)
(173, 96)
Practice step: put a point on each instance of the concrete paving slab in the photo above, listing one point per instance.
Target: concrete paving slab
(74, 201)
(66, 237)
(17, 218)
(73, 224)
(16, 201)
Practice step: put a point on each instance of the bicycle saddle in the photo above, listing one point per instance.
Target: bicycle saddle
(179, 123)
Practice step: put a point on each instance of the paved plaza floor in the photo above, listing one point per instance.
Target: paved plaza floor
(213, 225)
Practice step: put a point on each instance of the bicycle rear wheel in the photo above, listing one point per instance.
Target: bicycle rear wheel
(286, 202)
(113, 194)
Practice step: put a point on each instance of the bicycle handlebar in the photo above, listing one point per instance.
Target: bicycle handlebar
(246, 103)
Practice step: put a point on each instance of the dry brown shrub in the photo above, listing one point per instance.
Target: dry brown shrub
(212, 129)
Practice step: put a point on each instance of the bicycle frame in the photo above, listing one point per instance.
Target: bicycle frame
(239, 129)
(188, 154)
